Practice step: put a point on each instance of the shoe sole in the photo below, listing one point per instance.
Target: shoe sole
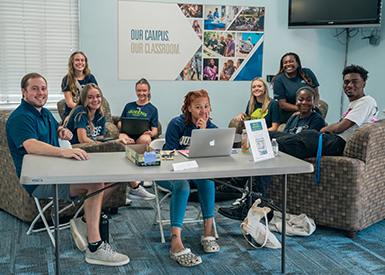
(229, 216)
(211, 251)
(98, 262)
(181, 262)
(79, 241)
(138, 198)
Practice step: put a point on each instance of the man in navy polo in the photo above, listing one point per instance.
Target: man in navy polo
(32, 129)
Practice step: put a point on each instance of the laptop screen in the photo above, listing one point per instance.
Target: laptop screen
(134, 126)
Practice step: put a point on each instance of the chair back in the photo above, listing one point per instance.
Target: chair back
(238, 125)
(106, 108)
(323, 107)
(157, 143)
(60, 107)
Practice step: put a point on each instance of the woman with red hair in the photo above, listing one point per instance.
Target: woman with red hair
(195, 115)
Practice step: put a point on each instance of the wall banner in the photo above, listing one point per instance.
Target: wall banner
(189, 42)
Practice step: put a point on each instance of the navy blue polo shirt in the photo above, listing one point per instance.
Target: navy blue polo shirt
(26, 122)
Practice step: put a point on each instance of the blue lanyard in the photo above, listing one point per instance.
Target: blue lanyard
(318, 160)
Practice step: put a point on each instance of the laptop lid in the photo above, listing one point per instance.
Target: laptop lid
(134, 126)
(211, 142)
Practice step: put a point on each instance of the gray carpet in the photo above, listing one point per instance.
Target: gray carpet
(327, 251)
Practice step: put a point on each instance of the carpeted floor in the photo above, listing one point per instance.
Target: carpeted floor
(132, 232)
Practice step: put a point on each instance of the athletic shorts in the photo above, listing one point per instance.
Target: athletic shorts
(45, 191)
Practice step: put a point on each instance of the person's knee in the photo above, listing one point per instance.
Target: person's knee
(113, 188)
(181, 188)
(144, 139)
(93, 187)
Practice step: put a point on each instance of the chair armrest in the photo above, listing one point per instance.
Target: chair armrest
(281, 127)
(367, 142)
(238, 125)
(115, 119)
(98, 146)
(111, 130)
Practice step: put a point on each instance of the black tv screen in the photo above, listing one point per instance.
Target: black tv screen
(334, 13)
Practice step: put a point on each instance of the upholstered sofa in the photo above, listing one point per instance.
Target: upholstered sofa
(111, 129)
(111, 121)
(351, 192)
(16, 201)
(239, 125)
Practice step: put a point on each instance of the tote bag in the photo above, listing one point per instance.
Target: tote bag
(296, 225)
(258, 231)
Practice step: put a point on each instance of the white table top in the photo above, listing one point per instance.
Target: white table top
(115, 167)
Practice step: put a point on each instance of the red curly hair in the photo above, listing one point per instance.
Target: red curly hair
(188, 99)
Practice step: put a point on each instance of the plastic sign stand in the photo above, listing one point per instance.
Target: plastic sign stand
(259, 140)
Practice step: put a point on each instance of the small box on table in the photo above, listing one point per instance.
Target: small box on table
(143, 155)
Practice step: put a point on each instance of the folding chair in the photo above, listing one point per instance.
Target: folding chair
(70, 204)
(158, 144)
(48, 228)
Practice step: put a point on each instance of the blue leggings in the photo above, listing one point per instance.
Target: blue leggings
(181, 191)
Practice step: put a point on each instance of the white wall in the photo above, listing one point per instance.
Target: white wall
(317, 49)
(372, 58)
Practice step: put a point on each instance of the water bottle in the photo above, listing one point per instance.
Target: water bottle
(274, 145)
(245, 142)
(104, 228)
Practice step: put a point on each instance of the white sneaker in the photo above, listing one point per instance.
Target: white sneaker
(128, 201)
(79, 233)
(140, 194)
(147, 183)
(105, 255)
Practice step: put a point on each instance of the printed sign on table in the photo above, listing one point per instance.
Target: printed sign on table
(259, 139)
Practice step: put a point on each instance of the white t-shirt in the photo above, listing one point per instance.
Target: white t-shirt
(361, 111)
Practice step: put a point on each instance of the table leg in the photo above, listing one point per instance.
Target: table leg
(56, 222)
(284, 186)
(250, 190)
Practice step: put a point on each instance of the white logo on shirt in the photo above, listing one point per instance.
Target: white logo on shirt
(95, 134)
(184, 141)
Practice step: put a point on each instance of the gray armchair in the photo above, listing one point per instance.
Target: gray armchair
(15, 200)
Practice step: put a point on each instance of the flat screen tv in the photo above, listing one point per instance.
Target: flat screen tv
(334, 13)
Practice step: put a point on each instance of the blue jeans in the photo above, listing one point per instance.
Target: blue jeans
(181, 191)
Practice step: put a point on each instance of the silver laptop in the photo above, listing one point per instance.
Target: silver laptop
(210, 143)
(134, 126)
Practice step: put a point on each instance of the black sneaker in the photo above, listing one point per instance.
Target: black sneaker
(235, 212)
(224, 192)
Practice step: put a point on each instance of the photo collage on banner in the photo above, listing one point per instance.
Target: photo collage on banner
(232, 42)
(189, 42)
